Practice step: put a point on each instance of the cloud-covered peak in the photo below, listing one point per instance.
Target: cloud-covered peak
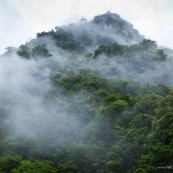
(103, 29)
(107, 18)
(119, 29)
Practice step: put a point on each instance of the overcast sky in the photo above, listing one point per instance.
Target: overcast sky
(20, 20)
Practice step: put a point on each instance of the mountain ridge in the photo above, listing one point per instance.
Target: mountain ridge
(89, 35)
(88, 97)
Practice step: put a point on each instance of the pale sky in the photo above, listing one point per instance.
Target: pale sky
(20, 20)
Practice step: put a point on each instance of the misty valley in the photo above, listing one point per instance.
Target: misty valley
(88, 97)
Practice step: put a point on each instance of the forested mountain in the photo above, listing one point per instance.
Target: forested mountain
(88, 97)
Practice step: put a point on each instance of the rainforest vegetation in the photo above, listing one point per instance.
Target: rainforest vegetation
(91, 97)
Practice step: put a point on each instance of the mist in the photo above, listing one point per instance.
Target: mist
(72, 94)
(26, 84)
(36, 108)
(29, 110)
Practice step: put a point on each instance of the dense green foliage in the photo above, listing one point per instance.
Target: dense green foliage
(125, 124)
(126, 127)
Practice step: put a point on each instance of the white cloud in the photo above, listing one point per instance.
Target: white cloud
(21, 19)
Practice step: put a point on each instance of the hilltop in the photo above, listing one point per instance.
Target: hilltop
(89, 97)
(81, 36)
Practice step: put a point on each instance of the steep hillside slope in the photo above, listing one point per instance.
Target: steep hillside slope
(88, 97)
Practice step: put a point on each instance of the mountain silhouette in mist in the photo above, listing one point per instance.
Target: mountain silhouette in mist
(87, 97)
(103, 29)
